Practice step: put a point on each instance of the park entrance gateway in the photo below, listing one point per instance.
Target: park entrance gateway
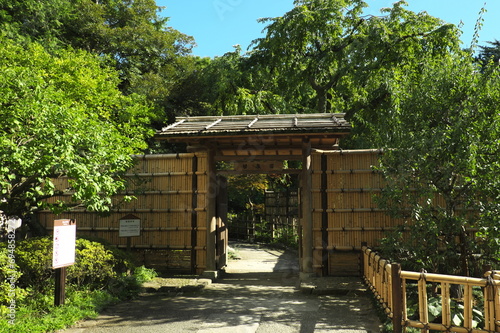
(181, 202)
(258, 144)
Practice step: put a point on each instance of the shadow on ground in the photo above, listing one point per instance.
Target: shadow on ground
(258, 293)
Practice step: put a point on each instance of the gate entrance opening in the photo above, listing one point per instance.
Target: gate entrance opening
(258, 144)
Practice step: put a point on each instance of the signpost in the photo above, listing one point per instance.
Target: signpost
(63, 255)
(130, 226)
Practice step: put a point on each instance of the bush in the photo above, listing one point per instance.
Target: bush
(100, 276)
(94, 265)
(34, 257)
(9, 274)
(143, 274)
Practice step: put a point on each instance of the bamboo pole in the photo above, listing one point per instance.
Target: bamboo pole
(468, 304)
(446, 304)
(432, 277)
(423, 309)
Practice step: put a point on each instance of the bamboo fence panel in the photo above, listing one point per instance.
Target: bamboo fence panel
(381, 278)
(344, 213)
(170, 208)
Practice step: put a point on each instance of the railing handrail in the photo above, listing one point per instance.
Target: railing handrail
(388, 282)
(445, 278)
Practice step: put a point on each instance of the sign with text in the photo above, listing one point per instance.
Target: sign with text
(130, 226)
(64, 243)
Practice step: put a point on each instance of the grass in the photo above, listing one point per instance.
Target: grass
(37, 313)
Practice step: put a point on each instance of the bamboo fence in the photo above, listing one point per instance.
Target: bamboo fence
(344, 184)
(170, 202)
(390, 286)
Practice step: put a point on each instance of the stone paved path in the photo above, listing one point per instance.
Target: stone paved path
(258, 294)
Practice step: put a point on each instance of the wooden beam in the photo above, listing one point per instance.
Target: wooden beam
(240, 158)
(255, 172)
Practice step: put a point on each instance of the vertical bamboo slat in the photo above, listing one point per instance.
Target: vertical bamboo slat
(468, 304)
(423, 308)
(446, 304)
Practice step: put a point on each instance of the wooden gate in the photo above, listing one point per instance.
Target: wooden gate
(171, 204)
(183, 226)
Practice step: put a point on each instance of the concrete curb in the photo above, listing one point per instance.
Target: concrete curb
(174, 285)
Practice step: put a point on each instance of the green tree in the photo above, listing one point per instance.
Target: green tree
(442, 166)
(150, 57)
(63, 116)
(489, 53)
(329, 56)
(227, 85)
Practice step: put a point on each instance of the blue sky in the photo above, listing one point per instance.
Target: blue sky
(217, 25)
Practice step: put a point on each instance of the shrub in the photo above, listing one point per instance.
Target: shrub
(9, 275)
(34, 257)
(143, 274)
(94, 265)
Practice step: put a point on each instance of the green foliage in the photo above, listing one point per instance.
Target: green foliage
(94, 265)
(328, 56)
(34, 257)
(62, 115)
(246, 193)
(490, 53)
(38, 314)
(144, 274)
(441, 170)
(9, 275)
(435, 308)
(94, 281)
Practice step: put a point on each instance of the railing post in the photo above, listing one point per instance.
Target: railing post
(363, 260)
(397, 298)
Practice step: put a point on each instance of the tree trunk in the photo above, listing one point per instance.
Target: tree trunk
(35, 228)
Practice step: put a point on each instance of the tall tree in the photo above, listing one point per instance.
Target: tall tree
(150, 57)
(331, 56)
(489, 53)
(63, 117)
(226, 85)
(442, 166)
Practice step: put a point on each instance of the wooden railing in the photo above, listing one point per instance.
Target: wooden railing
(392, 288)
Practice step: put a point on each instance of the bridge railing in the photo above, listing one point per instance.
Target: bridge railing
(425, 301)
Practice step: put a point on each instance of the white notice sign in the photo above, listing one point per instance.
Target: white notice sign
(130, 227)
(64, 243)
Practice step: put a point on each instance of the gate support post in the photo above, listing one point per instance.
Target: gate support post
(210, 270)
(307, 217)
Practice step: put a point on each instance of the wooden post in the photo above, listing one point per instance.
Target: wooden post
(307, 238)
(324, 214)
(363, 261)
(397, 298)
(60, 286)
(194, 214)
(211, 211)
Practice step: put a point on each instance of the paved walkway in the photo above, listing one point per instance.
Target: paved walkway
(259, 293)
